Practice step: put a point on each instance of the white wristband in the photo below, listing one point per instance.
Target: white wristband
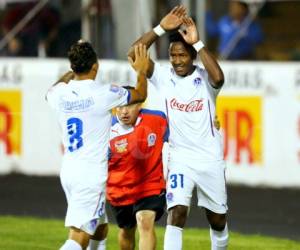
(158, 30)
(198, 45)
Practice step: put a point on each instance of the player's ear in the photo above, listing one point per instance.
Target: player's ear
(114, 111)
(95, 67)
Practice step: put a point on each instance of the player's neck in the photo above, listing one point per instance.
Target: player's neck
(86, 76)
(191, 70)
(193, 67)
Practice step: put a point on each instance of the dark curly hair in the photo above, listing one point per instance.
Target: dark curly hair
(176, 37)
(82, 56)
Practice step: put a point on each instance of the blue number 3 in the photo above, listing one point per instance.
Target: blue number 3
(74, 127)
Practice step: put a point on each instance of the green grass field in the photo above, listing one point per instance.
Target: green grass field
(23, 233)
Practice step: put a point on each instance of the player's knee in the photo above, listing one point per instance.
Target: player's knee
(177, 216)
(79, 236)
(101, 232)
(145, 221)
(127, 233)
(218, 223)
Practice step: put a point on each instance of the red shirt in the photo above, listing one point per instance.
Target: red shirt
(135, 168)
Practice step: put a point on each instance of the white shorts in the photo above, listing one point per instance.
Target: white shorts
(85, 189)
(209, 179)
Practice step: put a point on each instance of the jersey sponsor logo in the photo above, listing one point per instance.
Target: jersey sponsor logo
(151, 139)
(193, 106)
(121, 146)
(197, 81)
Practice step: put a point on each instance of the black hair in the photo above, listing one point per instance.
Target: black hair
(127, 87)
(82, 56)
(177, 37)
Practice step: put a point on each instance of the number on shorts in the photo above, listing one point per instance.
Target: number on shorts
(173, 178)
(74, 127)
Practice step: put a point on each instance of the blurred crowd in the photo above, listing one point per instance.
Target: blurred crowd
(52, 28)
(238, 32)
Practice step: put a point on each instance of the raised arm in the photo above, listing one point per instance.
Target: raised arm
(169, 22)
(191, 36)
(140, 64)
(68, 76)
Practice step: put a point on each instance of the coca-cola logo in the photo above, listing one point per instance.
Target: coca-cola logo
(193, 106)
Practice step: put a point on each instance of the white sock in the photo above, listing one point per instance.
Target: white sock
(219, 239)
(71, 245)
(173, 238)
(97, 245)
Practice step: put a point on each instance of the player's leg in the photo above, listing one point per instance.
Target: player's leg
(179, 193)
(126, 221)
(211, 190)
(145, 224)
(98, 240)
(218, 230)
(147, 211)
(78, 240)
(126, 238)
(86, 204)
(176, 220)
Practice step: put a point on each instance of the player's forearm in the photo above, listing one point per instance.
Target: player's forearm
(141, 86)
(213, 68)
(65, 78)
(148, 39)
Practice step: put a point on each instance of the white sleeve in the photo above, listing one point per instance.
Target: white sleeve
(115, 96)
(52, 96)
(156, 78)
(213, 91)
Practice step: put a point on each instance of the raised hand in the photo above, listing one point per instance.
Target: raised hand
(174, 18)
(141, 59)
(190, 34)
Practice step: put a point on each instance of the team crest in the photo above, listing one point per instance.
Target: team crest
(151, 139)
(169, 197)
(121, 146)
(114, 88)
(197, 81)
(118, 90)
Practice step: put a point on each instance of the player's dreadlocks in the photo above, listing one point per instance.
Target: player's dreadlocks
(82, 56)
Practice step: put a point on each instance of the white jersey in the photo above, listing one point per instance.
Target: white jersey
(84, 112)
(190, 104)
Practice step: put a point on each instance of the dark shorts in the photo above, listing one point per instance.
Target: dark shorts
(125, 215)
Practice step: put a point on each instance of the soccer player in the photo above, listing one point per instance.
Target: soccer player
(135, 184)
(84, 108)
(196, 153)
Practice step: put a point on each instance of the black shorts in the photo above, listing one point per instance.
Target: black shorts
(125, 215)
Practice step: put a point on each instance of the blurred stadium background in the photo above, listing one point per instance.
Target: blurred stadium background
(259, 106)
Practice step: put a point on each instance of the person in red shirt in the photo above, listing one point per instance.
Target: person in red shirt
(136, 185)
